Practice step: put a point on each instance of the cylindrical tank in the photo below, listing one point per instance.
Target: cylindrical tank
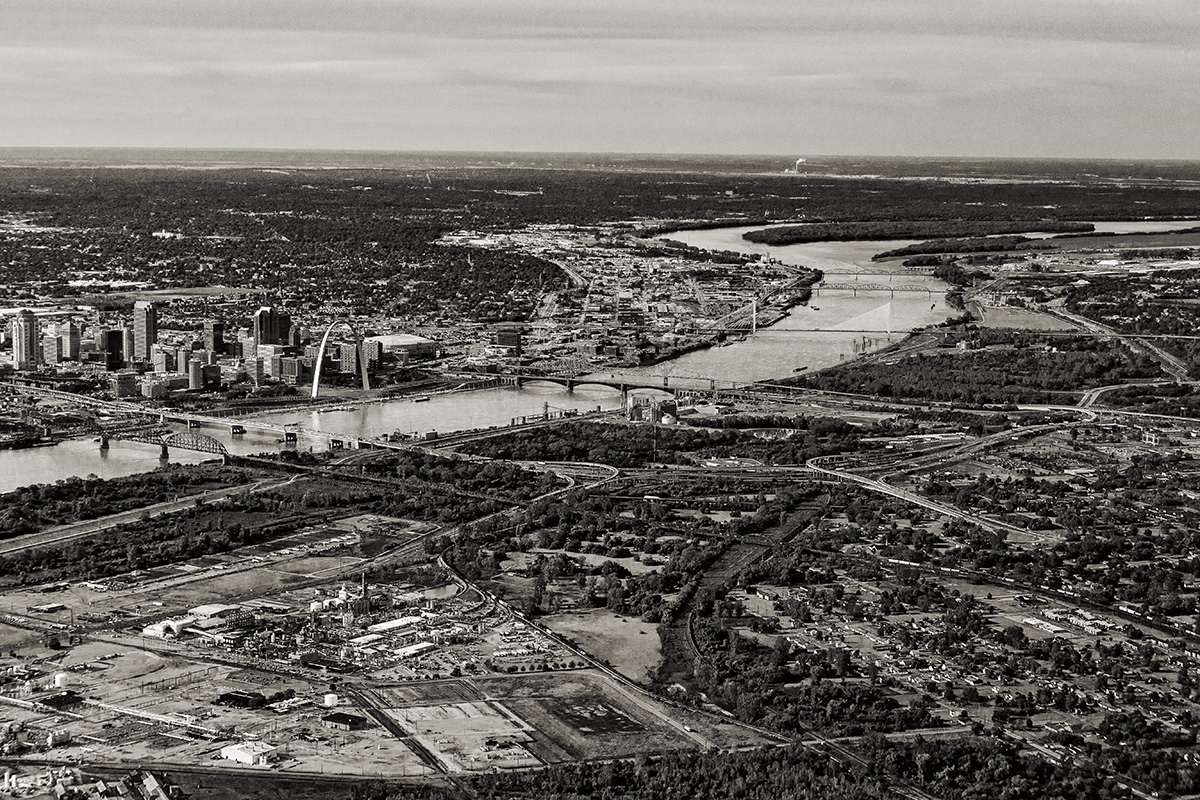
(331, 700)
(61, 680)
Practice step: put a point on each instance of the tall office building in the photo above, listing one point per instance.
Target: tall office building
(262, 327)
(68, 334)
(373, 352)
(127, 342)
(51, 348)
(163, 360)
(183, 357)
(26, 341)
(348, 356)
(112, 344)
(270, 326)
(509, 338)
(195, 376)
(214, 337)
(145, 329)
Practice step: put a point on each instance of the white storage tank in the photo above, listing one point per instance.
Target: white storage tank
(331, 700)
(61, 680)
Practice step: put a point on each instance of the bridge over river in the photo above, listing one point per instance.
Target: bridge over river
(148, 425)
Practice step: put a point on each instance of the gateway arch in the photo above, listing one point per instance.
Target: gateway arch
(358, 349)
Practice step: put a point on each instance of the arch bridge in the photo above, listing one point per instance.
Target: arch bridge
(157, 434)
(194, 441)
(624, 386)
(358, 349)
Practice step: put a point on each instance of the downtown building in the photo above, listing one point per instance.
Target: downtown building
(270, 326)
(27, 344)
(145, 330)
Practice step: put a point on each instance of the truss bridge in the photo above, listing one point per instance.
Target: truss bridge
(157, 434)
(857, 287)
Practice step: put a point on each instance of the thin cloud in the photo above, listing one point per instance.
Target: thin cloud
(1030, 77)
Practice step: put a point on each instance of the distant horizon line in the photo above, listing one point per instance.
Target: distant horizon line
(612, 153)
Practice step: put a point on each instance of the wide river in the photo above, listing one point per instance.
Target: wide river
(835, 326)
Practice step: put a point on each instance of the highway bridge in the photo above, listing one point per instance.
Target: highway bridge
(623, 384)
(151, 429)
(891, 289)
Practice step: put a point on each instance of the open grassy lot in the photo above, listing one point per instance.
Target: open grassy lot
(1021, 318)
(630, 646)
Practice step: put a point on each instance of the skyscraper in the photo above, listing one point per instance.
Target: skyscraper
(68, 334)
(270, 326)
(145, 329)
(26, 341)
(127, 342)
(112, 344)
(262, 327)
(51, 348)
(214, 337)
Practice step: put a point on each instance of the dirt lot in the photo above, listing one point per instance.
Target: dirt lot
(553, 703)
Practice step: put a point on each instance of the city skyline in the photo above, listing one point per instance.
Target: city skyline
(1063, 79)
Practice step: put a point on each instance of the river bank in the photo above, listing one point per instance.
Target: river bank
(860, 307)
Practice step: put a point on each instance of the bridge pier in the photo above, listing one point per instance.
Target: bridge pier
(164, 453)
(103, 442)
(570, 386)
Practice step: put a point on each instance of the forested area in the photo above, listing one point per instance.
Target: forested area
(32, 508)
(967, 769)
(427, 488)
(1172, 399)
(971, 245)
(459, 475)
(628, 446)
(201, 530)
(1022, 375)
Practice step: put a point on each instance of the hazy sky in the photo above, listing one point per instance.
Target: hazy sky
(1108, 78)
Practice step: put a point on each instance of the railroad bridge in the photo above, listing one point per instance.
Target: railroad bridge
(157, 434)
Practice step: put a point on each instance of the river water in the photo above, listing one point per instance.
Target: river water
(442, 412)
(835, 326)
(879, 304)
